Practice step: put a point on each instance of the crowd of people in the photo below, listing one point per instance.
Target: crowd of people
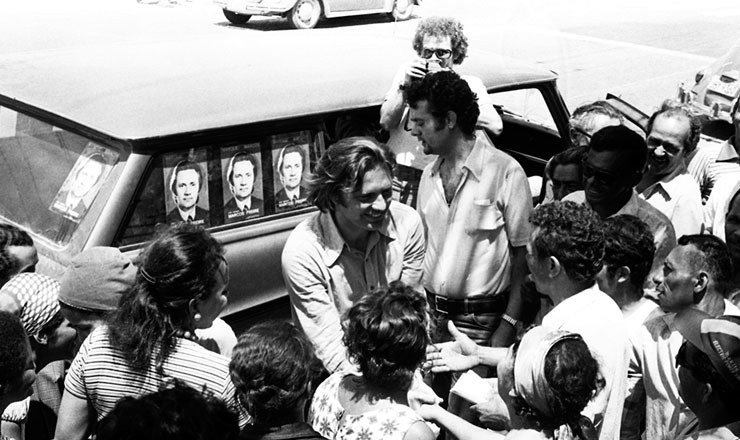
(606, 309)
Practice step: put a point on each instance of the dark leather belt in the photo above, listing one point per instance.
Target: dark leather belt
(484, 304)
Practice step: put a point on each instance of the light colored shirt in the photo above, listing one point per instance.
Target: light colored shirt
(597, 318)
(727, 163)
(699, 163)
(324, 276)
(469, 241)
(664, 235)
(715, 211)
(679, 198)
(653, 359)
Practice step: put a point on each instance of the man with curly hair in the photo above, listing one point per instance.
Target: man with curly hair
(440, 44)
(564, 254)
(474, 202)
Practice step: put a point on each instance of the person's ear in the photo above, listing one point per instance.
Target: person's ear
(702, 282)
(451, 120)
(705, 391)
(553, 267)
(622, 274)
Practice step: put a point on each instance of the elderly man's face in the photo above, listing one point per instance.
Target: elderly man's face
(665, 144)
(676, 283)
(187, 186)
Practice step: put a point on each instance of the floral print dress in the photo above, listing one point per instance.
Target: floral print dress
(328, 418)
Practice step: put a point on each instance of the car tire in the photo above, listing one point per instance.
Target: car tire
(305, 14)
(235, 17)
(402, 9)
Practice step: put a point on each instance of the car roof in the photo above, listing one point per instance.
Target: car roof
(145, 89)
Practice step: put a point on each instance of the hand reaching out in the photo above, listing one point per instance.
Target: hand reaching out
(458, 355)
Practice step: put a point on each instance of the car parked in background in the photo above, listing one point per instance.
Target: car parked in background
(93, 137)
(714, 91)
(305, 14)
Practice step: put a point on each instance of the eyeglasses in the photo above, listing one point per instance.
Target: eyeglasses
(442, 54)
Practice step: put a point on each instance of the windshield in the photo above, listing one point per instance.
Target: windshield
(51, 177)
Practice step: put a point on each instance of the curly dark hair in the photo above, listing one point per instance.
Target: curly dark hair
(11, 235)
(180, 265)
(273, 366)
(387, 334)
(176, 412)
(342, 169)
(629, 242)
(573, 376)
(673, 109)
(572, 233)
(713, 257)
(442, 27)
(445, 91)
(13, 350)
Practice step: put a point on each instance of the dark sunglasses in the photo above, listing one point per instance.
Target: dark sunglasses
(442, 54)
(589, 171)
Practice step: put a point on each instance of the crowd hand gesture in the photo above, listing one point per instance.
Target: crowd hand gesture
(415, 70)
(493, 414)
(458, 355)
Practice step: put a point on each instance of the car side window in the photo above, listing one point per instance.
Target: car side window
(225, 185)
(52, 177)
(525, 104)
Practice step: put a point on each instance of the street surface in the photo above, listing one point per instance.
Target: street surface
(639, 50)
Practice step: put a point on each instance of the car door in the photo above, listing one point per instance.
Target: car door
(353, 5)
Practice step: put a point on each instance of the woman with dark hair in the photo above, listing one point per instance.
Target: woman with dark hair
(180, 286)
(274, 369)
(17, 370)
(545, 381)
(386, 335)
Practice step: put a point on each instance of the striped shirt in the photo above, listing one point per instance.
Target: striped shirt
(101, 374)
(727, 164)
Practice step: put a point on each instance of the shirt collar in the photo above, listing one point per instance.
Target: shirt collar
(632, 205)
(246, 204)
(668, 184)
(185, 214)
(473, 163)
(727, 152)
(335, 243)
(291, 194)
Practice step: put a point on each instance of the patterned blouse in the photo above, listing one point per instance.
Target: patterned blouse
(328, 418)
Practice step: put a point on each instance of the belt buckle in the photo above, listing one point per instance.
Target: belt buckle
(440, 301)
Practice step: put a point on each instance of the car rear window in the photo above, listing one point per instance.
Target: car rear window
(226, 184)
(51, 177)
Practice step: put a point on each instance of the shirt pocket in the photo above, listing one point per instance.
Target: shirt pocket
(485, 217)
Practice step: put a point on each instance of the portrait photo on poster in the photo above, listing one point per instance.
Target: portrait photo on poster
(291, 165)
(186, 187)
(242, 183)
(83, 182)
